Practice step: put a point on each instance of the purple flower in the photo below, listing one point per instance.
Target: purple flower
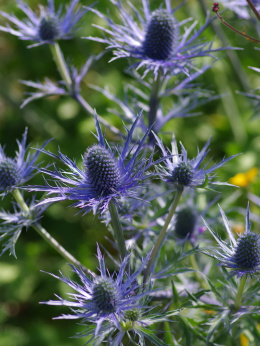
(48, 27)
(107, 175)
(102, 298)
(242, 255)
(15, 172)
(181, 172)
(155, 39)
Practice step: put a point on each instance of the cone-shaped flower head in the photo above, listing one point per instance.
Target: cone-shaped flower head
(15, 172)
(102, 170)
(49, 26)
(185, 222)
(181, 172)
(161, 36)
(103, 298)
(241, 255)
(154, 38)
(107, 175)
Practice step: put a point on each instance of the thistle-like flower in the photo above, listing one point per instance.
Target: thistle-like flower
(154, 39)
(104, 178)
(48, 27)
(15, 172)
(181, 172)
(103, 298)
(242, 255)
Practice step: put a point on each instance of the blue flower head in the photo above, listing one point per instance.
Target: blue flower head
(181, 172)
(241, 255)
(154, 38)
(15, 172)
(48, 27)
(104, 297)
(107, 174)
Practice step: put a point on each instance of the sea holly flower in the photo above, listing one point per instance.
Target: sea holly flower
(242, 255)
(48, 27)
(155, 39)
(107, 174)
(101, 298)
(17, 171)
(181, 172)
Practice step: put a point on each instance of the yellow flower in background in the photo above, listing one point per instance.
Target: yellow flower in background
(243, 340)
(238, 228)
(244, 179)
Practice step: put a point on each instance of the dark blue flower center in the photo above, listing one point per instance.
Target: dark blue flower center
(247, 251)
(182, 175)
(106, 295)
(9, 175)
(161, 35)
(102, 170)
(185, 223)
(48, 29)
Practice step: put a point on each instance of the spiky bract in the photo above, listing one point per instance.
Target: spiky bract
(108, 174)
(48, 27)
(242, 255)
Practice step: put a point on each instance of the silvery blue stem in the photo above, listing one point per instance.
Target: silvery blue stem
(154, 101)
(65, 75)
(44, 234)
(240, 292)
(61, 64)
(161, 236)
(117, 228)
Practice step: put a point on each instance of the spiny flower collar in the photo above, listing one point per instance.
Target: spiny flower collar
(107, 175)
(49, 27)
(242, 255)
(154, 39)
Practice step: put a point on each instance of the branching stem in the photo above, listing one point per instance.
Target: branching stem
(44, 234)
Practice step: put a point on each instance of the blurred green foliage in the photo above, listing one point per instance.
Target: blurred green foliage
(23, 322)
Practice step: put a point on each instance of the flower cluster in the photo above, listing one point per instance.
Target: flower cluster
(157, 204)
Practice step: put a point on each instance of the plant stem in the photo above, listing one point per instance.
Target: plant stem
(162, 233)
(117, 228)
(61, 64)
(154, 102)
(64, 72)
(194, 265)
(257, 14)
(240, 293)
(44, 234)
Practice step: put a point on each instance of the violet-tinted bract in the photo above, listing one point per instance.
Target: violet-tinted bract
(104, 297)
(48, 27)
(154, 38)
(181, 172)
(17, 171)
(242, 255)
(105, 177)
